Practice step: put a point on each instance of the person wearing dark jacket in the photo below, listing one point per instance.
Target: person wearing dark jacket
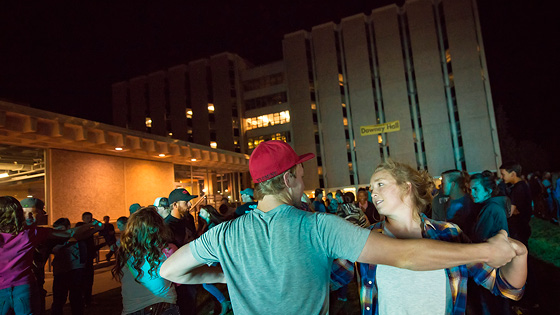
(368, 207)
(181, 223)
(492, 218)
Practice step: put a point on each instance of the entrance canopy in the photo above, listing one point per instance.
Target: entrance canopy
(30, 127)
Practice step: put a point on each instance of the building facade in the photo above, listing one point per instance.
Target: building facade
(420, 67)
(75, 165)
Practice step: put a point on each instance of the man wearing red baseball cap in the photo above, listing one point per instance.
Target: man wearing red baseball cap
(277, 259)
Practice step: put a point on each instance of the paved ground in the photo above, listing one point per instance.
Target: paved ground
(107, 295)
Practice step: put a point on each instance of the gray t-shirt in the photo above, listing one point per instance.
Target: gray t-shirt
(279, 262)
(402, 291)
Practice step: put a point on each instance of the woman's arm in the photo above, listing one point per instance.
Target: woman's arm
(515, 272)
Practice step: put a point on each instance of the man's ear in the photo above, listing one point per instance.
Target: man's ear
(286, 178)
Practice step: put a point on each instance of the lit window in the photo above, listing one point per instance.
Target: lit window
(340, 79)
(313, 106)
(268, 120)
(170, 134)
(148, 122)
(320, 170)
(350, 166)
(343, 105)
(210, 107)
(213, 144)
(189, 113)
(379, 139)
(345, 121)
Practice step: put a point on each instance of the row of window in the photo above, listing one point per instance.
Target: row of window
(283, 136)
(267, 100)
(262, 82)
(268, 120)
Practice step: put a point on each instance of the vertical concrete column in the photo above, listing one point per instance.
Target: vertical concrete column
(220, 68)
(330, 105)
(299, 97)
(120, 104)
(138, 103)
(469, 86)
(361, 94)
(430, 87)
(393, 83)
(177, 101)
(156, 87)
(198, 73)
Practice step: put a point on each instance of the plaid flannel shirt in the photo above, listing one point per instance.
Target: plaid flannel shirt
(482, 274)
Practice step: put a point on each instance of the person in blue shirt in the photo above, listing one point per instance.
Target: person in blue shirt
(318, 204)
(248, 202)
(459, 208)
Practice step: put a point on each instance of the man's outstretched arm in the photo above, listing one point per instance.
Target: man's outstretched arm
(427, 254)
(182, 267)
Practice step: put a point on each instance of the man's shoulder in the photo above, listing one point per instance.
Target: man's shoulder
(520, 186)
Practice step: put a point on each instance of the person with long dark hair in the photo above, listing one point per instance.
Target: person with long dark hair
(19, 292)
(145, 244)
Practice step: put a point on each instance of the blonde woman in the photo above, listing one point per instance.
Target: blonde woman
(401, 193)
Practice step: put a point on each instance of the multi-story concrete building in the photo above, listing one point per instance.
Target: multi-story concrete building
(199, 102)
(420, 68)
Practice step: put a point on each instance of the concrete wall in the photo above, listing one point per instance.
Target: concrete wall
(299, 98)
(362, 105)
(120, 104)
(220, 68)
(178, 101)
(429, 85)
(157, 102)
(102, 184)
(469, 87)
(138, 103)
(329, 104)
(198, 76)
(393, 83)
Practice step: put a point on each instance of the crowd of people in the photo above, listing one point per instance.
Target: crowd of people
(411, 246)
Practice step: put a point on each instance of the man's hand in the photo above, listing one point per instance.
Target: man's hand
(519, 247)
(97, 225)
(501, 250)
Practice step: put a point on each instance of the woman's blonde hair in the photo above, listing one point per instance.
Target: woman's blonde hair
(276, 187)
(421, 183)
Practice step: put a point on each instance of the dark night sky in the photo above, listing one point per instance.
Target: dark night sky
(63, 56)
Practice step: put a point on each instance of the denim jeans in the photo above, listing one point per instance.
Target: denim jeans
(23, 299)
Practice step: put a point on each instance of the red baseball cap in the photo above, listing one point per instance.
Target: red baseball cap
(272, 158)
